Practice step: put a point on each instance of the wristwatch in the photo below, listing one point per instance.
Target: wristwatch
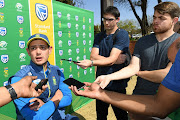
(12, 92)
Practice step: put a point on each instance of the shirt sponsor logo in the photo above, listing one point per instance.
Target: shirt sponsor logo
(4, 58)
(41, 11)
(22, 66)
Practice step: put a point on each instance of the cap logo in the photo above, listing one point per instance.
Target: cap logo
(37, 35)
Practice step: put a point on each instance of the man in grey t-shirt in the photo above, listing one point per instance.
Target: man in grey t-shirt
(150, 62)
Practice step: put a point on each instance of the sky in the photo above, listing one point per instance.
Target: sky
(125, 13)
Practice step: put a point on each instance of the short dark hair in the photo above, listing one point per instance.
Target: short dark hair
(168, 7)
(112, 10)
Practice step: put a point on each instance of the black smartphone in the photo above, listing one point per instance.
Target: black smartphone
(74, 82)
(71, 60)
(41, 83)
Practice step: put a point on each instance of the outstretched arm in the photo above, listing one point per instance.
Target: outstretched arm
(156, 75)
(159, 105)
(23, 88)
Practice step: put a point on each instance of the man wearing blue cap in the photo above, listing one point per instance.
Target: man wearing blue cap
(50, 104)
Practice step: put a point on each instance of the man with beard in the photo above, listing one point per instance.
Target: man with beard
(150, 62)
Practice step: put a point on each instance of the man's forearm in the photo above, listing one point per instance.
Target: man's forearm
(4, 96)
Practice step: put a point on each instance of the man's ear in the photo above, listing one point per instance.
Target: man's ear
(118, 19)
(175, 20)
(50, 50)
(28, 51)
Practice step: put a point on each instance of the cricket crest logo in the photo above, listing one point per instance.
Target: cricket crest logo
(20, 19)
(3, 31)
(21, 44)
(4, 58)
(41, 11)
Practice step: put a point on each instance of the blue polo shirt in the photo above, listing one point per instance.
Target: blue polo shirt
(172, 80)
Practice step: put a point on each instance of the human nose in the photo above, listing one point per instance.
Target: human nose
(38, 51)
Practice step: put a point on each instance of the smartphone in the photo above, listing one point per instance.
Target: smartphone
(41, 83)
(71, 60)
(74, 82)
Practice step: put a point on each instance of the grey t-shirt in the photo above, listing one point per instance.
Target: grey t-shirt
(153, 56)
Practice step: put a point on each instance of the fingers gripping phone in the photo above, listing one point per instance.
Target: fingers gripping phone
(74, 82)
(40, 84)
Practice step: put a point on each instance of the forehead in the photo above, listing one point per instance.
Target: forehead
(38, 42)
(157, 14)
(108, 16)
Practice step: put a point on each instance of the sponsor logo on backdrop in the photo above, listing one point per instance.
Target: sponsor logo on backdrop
(77, 50)
(71, 76)
(61, 62)
(77, 42)
(6, 72)
(90, 70)
(60, 43)
(19, 7)
(85, 72)
(59, 14)
(69, 34)
(5, 83)
(68, 16)
(84, 42)
(4, 58)
(90, 42)
(77, 18)
(89, 20)
(84, 35)
(60, 33)
(69, 25)
(3, 45)
(22, 57)
(89, 27)
(20, 19)
(70, 68)
(83, 19)
(22, 66)
(84, 27)
(78, 74)
(84, 57)
(3, 31)
(60, 52)
(62, 69)
(77, 26)
(69, 52)
(77, 58)
(22, 44)
(84, 50)
(59, 24)
(69, 42)
(2, 4)
(70, 59)
(78, 67)
(41, 11)
(90, 35)
(77, 34)
(21, 32)
(90, 49)
(1, 17)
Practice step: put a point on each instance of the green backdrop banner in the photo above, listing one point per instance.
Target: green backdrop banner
(71, 33)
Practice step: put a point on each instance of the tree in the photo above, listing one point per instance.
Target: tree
(72, 2)
(143, 5)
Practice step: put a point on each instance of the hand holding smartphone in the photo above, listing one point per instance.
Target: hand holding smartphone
(70, 60)
(74, 82)
(40, 84)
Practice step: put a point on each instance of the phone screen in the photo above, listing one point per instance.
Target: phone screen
(74, 82)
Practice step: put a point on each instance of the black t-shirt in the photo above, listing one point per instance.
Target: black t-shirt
(153, 56)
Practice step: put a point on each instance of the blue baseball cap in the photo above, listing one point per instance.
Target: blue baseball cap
(38, 36)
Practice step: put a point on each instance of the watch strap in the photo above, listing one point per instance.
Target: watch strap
(12, 92)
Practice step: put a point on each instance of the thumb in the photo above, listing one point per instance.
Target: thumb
(33, 77)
